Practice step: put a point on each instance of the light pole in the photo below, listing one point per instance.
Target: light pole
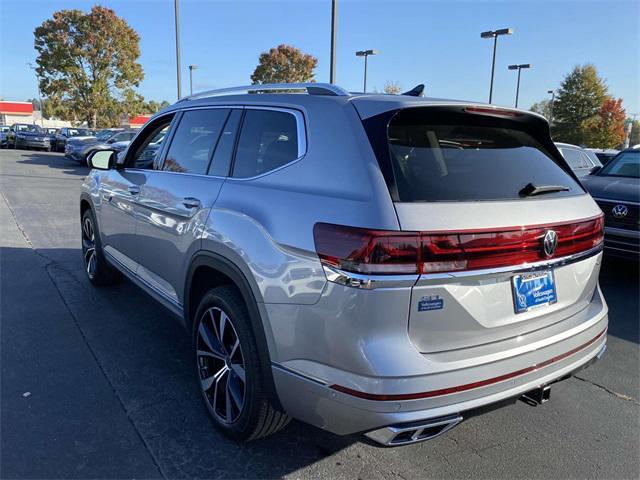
(553, 99)
(39, 95)
(365, 54)
(334, 21)
(519, 68)
(177, 19)
(191, 69)
(494, 34)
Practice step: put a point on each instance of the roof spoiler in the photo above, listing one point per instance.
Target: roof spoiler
(417, 91)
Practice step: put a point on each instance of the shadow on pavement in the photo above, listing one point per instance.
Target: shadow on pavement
(619, 280)
(54, 160)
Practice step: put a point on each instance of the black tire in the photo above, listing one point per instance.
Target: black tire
(96, 267)
(255, 417)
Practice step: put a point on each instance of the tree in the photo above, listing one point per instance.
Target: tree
(284, 64)
(580, 98)
(543, 107)
(88, 63)
(392, 88)
(606, 129)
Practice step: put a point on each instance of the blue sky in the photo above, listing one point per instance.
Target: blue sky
(432, 42)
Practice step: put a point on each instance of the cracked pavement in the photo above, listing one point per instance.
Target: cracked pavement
(97, 383)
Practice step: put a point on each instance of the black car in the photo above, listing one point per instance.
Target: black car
(616, 189)
(66, 133)
(26, 135)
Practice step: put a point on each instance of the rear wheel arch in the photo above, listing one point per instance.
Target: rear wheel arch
(209, 270)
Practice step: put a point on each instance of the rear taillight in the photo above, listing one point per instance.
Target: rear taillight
(366, 251)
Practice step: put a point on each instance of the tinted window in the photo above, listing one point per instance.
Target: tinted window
(574, 158)
(194, 141)
(224, 150)
(122, 137)
(474, 161)
(626, 164)
(148, 149)
(77, 132)
(267, 141)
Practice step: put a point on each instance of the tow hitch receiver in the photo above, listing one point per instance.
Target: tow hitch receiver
(538, 396)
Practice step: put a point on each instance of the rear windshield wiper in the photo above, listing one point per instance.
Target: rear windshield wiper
(531, 190)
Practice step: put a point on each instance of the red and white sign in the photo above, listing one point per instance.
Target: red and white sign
(16, 108)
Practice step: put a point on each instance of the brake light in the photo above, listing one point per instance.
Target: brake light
(367, 251)
(493, 111)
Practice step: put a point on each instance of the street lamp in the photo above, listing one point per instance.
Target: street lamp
(30, 65)
(519, 68)
(365, 54)
(553, 99)
(495, 34)
(191, 69)
(177, 20)
(334, 22)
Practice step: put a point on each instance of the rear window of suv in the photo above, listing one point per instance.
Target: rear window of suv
(455, 157)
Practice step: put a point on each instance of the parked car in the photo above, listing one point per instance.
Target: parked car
(605, 155)
(616, 189)
(361, 262)
(581, 161)
(4, 130)
(80, 149)
(25, 135)
(66, 133)
(52, 132)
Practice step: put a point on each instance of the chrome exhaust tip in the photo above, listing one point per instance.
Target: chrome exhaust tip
(414, 432)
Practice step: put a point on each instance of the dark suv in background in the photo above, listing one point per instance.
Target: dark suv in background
(65, 134)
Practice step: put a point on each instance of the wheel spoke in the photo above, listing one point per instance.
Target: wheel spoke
(215, 378)
(91, 263)
(238, 369)
(234, 348)
(229, 410)
(223, 325)
(212, 354)
(233, 388)
(210, 341)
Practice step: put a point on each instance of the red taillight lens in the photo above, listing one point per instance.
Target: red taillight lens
(367, 251)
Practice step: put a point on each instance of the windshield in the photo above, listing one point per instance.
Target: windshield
(435, 159)
(52, 130)
(78, 132)
(105, 135)
(28, 128)
(4, 129)
(626, 164)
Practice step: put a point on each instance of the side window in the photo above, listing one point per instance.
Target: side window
(195, 140)
(573, 158)
(268, 140)
(224, 150)
(144, 150)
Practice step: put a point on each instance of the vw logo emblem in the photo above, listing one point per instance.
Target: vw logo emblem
(550, 242)
(619, 211)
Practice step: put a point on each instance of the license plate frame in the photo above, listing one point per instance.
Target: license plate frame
(533, 290)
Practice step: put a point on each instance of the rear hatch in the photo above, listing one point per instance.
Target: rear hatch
(488, 196)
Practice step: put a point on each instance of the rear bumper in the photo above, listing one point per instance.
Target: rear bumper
(457, 388)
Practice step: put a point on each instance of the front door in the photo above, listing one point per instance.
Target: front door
(177, 195)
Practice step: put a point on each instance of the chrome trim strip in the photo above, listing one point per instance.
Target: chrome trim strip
(525, 267)
(623, 232)
(368, 282)
(624, 202)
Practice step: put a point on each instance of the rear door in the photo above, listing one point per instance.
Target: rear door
(179, 192)
(486, 187)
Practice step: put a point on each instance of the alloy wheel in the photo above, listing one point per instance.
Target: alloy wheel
(221, 366)
(89, 247)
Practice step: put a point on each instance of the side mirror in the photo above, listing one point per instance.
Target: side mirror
(102, 159)
(595, 170)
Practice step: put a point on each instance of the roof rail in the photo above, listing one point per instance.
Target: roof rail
(311, 88)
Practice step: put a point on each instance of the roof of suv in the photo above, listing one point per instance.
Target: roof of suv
(369, 104)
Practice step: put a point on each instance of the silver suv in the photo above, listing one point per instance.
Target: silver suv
(378, 264)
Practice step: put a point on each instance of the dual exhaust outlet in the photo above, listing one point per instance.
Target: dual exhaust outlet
(414, 432)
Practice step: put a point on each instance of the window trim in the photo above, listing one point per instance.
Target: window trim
(129, 157)
(301, 133)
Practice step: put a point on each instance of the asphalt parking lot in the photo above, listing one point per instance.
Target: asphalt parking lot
(98, 383)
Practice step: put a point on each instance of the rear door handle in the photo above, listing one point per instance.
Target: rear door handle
(134, 190)
(190, 202)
